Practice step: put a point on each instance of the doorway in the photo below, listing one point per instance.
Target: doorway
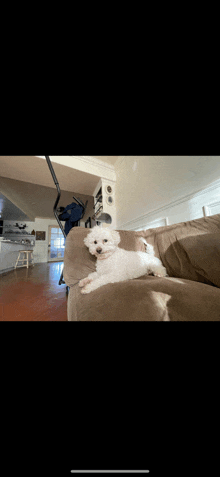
(56, 245)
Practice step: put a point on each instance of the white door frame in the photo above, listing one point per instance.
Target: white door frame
(56, 259)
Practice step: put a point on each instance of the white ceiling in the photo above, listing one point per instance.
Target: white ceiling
(109, 159)
(36, 200)
(27, 187)
(34, 170)
(26, 183)
(9, 211)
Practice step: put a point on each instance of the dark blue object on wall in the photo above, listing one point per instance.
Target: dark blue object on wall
(71, 218)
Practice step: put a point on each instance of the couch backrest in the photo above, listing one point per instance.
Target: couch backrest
(188, 250)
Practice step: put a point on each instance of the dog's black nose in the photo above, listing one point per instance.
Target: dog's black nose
(99, 250)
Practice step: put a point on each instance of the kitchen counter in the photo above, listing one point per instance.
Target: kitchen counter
(9, 253)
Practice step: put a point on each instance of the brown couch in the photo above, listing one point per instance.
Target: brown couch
(190, 251)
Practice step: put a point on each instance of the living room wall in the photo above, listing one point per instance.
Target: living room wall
(40, 225)
(160, 190)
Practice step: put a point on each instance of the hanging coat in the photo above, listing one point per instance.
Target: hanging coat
(72, 218)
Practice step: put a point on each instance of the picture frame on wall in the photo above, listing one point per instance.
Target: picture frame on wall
(40, 235)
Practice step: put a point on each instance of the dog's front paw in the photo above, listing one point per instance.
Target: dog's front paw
(81, 283)
(161, 273)
(84, 282)
(87, 289)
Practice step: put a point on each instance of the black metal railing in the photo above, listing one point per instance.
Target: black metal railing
(84, 206)
(61, 281)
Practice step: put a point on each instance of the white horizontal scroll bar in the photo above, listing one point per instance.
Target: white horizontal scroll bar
(110, 471)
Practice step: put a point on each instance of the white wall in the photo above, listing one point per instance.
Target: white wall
(154, 191)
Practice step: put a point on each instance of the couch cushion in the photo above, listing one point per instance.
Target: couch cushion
(146, 299)
(189, 250)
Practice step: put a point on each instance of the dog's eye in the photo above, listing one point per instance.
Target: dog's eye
(95, 242)
(105, 240)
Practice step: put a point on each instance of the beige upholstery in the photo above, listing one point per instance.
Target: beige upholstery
(190, 251)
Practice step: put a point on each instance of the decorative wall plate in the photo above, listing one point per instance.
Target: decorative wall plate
(108, 189)
(110, 200)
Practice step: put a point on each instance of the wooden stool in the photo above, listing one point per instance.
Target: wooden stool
(26, 259)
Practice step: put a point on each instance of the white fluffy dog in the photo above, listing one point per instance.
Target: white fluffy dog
(115, 264)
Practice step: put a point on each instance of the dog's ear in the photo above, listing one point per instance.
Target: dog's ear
(116, 237)
(86, 240)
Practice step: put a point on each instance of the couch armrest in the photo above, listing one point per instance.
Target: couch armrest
(78, 262)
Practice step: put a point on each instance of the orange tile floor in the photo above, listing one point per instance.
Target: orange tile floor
(33, 294)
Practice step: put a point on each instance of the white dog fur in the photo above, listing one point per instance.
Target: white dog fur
(115, 264)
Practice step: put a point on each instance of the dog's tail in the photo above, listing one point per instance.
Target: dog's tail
(149, 248)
